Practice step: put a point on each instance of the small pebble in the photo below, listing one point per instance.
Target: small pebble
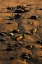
(15, 31)
(40, 9)
(10, 8)
(1, 34)
(11, 58)
(19, 38)
(3, 39)
(17, 16)
(18, 44)
(34, 17)
(39, 42)
(33, 31)
(26, 56)
(10, 18)
(11, 34)
(30, 47)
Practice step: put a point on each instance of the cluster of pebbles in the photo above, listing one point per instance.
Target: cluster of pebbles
(19, 37)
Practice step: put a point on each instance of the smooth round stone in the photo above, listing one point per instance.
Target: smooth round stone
(26, 56)
(34, 17)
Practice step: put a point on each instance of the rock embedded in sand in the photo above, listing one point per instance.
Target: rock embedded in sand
(10, 8)
(2, 39)
(17, 16)
(18, 44)
(30, 47)
(2, 34)
(10, 34)
(10, 18)
(26, 56)
(39, 42)
(20, 9)
(15, 31)
(19, 37)
(11, 58)
(40, 9)
(33, 31)
(34, 17)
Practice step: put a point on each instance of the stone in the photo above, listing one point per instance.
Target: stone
(10, 34)
(11, 58)
(19, 38)
(33, 31)
(3, 39)
(26, 56)
(34, 17)
(18, 44)
(17, 16)
(30, 47)
(39, 42)
(10, 18)
(40, 9)
(15, 31)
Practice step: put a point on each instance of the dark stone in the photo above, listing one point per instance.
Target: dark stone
(34, 17)
(17, 16)
(26, 56)
(22, 7)
(8, 23)
(10, 8)
(11, 58)
(10, 18)
(39, 42)
(28, 4)
(18, 11)
(15, 31)
(10, 34)
(18, 44)
(40, 9)
(30, 47)
(2, 39)
(1, 34)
